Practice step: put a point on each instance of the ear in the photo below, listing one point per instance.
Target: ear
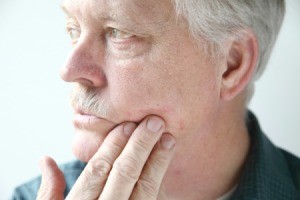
(242, 58)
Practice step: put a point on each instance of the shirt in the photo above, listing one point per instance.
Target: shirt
(270, 173)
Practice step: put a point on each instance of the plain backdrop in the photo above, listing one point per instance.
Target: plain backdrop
(35, 116)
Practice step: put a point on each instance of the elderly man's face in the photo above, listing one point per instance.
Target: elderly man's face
(132, 59)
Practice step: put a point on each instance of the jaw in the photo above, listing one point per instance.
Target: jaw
(85, 144)
(89, 137)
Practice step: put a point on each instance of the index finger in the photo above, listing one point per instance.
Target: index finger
(129, 165)
(91, 182)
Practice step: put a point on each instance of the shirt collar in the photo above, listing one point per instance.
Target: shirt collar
(266, 174)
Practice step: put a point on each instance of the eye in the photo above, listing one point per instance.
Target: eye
(74, 33)
(119, 35)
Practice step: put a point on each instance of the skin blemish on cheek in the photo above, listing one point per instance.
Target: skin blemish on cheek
(177, 173)
(181, 125)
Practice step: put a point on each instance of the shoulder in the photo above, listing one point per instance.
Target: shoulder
(293, 164)
(29, 190)
(269, 172)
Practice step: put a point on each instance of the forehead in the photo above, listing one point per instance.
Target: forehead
(140, 11)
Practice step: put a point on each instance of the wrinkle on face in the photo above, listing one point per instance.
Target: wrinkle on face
(170, 62)
(139, 16)
(143, 12)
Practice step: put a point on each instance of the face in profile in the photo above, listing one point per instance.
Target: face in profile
(130, 60)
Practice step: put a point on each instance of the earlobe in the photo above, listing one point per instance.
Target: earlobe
(242, 58)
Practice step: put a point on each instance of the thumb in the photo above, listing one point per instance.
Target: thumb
(53, 183)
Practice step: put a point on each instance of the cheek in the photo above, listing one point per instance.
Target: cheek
(136, 94)
(181, 97)
(136, 101)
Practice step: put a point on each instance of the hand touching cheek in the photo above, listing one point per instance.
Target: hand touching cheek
(130, 164)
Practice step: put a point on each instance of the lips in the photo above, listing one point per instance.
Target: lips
(85, 120)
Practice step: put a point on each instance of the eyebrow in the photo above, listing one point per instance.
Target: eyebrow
(105, 16)
(121, 21)
(63, 7)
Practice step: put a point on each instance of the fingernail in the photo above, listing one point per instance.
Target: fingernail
(42, 164)
(167, 141)
(154, 124)
(129, 128)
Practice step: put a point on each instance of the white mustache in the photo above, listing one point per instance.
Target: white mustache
(87, 99)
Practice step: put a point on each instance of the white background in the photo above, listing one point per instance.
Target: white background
(35, 117)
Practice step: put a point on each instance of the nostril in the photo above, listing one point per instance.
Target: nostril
(84, 82)
(84, 70)
(88, 76)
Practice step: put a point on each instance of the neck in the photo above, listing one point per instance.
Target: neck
(207, 165)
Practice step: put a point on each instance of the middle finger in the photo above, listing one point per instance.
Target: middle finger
(129, 165)
(90, 183)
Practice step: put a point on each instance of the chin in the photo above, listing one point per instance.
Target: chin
(90, 132)
(85, 145)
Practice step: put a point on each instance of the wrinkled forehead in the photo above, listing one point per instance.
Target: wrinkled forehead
(141, 11)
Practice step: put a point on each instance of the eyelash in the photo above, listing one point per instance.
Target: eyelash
(116, 35)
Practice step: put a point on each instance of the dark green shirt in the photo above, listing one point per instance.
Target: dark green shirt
(270, 173)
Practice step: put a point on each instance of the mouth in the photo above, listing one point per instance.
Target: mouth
(90, 121)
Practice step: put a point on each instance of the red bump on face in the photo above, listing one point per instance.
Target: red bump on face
(181, 125)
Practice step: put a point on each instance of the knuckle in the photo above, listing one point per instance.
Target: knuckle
(148, 187)
(161, 159)
(142, 145)
(42, 194)
(46, 194)
(128, 168)
(117, 143)
(99, 167)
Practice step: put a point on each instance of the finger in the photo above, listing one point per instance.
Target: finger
(149, 184)
(53, 182)
(128, 166)
(90, 183)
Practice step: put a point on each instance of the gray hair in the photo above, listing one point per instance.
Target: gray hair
(216, 20)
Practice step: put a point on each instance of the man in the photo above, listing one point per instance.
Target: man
(160, 101)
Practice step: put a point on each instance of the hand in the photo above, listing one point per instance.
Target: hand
(130, 164)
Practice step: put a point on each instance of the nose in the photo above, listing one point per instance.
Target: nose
(85, 65)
